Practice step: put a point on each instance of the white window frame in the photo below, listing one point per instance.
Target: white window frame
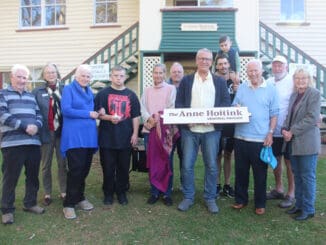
(294, 18)
(107, 2)
(43, 7)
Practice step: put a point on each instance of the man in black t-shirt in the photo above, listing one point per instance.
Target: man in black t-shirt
(227, 141)
(118, 132)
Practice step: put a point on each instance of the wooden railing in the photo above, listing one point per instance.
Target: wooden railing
(119, 51)
(272, 43)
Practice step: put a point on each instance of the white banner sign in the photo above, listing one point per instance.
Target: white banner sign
(100, 72)
(206, 115)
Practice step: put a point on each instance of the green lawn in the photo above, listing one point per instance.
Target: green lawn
(140, 223)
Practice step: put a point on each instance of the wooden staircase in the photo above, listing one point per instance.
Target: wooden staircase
(123, 50)
(272, 43)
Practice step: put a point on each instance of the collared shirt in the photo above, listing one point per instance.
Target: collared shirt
(202, 96)
(263, 104)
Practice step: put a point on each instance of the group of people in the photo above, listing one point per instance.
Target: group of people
(284, 115)
(53, 117)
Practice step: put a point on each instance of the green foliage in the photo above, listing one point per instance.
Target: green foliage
(140, 223)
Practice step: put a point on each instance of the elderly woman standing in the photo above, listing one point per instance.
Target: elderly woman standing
(302, 134)
(48, 97)
(154, 100)
(79, 138)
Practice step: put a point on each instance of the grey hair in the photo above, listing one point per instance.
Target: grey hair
(162, 66)
(18, 67)
(48, 65)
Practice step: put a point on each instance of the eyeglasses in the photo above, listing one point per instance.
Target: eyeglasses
(301, 78)
(204, 59)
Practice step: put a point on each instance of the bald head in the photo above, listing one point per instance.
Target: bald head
(176, 73)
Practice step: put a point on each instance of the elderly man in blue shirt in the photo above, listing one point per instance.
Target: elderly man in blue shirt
(262, 101)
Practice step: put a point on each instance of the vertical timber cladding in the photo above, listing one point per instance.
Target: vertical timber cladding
(174, 39)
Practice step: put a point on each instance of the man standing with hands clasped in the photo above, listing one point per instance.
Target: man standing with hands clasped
(262, 101)
(119, 111)
(20, 121)
(284, 86)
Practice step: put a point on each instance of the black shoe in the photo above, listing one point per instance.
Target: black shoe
(293, 210)
(108, 200)
(304, 216)
(167, 201)
(228, 191)
(218, 189)
(122, 198)
(152, 199)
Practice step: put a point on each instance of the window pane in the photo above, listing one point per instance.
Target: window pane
(112, 13)
(36, 16)
(50, 16)
(60, 15)
(292, 10)
(185, 3)
(106, 12)
(26, 17)
(30, 2)
(209, 2)
(100, 13)
(25, 2)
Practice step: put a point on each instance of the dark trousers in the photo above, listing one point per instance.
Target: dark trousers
(14, 158)
(79, 164)
(246, 154)
(115, 166)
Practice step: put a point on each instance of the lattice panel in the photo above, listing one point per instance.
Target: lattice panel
(243, 66)
(148, 64)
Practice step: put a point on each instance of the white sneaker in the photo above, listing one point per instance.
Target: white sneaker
(69, 213)
(85, 205)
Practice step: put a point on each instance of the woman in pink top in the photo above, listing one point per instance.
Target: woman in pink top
(154, 100)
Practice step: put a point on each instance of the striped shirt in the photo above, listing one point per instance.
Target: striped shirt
(17, 111)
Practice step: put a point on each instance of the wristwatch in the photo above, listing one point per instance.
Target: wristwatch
(271, 131)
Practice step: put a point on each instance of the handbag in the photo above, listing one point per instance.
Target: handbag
(267, 156)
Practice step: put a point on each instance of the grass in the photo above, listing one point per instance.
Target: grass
(140, 223)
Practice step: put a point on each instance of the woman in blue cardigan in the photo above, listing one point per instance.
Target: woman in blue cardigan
(79, 138)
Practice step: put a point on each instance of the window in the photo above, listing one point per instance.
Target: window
(292, 10)
(106, 11)
(42, 13)
(203, 3)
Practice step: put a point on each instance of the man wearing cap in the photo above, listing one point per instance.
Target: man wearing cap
(284, 86)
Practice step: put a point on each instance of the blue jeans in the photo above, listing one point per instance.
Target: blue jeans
(154, 191)
(304, 170)
(209, 143)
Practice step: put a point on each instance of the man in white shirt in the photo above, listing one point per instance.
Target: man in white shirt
(284, 86)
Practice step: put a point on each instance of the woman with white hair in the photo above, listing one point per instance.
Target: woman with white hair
(302, 135)
(79, 138)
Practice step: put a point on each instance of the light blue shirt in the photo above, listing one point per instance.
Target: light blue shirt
(263, 104)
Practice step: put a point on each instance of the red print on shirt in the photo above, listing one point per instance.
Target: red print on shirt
(119, 105)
